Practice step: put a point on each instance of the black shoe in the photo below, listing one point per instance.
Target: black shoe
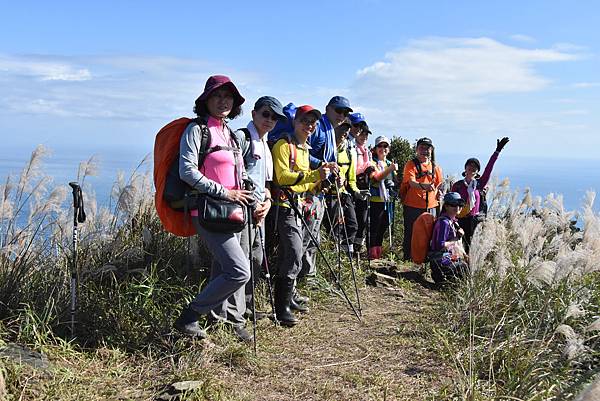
(299, 307)
(242, 334)
(259, 315)
(283, 298)
(300, 299)
(187, 323)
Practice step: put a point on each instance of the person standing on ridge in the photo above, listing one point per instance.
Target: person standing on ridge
(259, 167)
(323, 150)
(219, 175)
(293, 178)
(471, 188)
(419, 190)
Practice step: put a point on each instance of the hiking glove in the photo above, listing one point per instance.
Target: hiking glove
(361, 195)
(501, 143)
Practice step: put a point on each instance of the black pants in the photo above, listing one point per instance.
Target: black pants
(345, 232)
(452, 272)
(410, 215)
(468, 224)
(379, 222)
(361, 219)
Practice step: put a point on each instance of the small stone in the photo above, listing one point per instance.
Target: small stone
(186, 385)
(21, 354)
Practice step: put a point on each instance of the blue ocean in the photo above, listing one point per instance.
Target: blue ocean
(571, 178)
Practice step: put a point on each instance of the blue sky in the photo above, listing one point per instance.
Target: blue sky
(95, 76)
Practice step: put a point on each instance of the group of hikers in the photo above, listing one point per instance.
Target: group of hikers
(292, 170)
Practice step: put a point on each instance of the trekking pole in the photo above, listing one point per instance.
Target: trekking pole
(268, 275)
(368, 222)
(78, 217)
(313, 239)
(341, 209)
(250, 219)
(390, 213)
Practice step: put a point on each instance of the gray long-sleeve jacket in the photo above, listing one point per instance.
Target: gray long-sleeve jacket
(189, 172)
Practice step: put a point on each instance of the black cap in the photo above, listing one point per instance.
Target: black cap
(271, 103)
(424, 141)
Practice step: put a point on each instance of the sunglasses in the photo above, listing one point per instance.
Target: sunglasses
(383, 145)
(341, 110)
(308, 121)
(270, 116)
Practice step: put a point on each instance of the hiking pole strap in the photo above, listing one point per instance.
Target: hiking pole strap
(79, 215)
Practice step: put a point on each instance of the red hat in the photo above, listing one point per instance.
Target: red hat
(300, 111)
(216, 81)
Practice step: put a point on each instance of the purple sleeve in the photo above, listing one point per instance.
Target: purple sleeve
(461, 188)
(485, 177)
(441, 231)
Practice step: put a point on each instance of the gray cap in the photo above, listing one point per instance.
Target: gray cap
(271, 103)
(381, 139)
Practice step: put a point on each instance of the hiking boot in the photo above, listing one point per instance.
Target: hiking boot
(259, 315)
(299, 307)
(298, 298)
(187, 323)
(283, 298)
(373, 255)
(242, 334)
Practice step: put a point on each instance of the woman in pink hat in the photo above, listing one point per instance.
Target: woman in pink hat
(218, 173)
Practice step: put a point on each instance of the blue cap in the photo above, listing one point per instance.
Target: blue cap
(271, 103)
(356, 118)
(341, 102)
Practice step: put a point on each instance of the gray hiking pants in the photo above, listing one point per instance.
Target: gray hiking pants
(289, 258)
(309, 255)
(257, 257)
(223, 297)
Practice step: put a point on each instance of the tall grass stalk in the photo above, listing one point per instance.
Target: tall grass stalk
(525, 320)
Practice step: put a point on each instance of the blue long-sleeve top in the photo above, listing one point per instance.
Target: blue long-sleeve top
(322, 143)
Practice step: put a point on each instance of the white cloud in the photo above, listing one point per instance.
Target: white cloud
(41, 69)
(131, 87)
(446, 87)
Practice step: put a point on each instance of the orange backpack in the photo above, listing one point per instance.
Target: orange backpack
(166, 150)
(421, 237)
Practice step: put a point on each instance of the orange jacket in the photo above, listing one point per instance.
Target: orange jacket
(417, 197)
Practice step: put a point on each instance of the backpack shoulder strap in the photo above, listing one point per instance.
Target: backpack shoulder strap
(204, 141)
(417, 164)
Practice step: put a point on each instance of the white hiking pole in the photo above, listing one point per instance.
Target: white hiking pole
(78, 217)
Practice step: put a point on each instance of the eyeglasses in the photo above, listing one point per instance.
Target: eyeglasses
(308, 121)
(383, 145)
(341, 110)
(271, 116)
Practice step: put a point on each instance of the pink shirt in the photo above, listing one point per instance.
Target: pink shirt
(219, 166)
(363, 159)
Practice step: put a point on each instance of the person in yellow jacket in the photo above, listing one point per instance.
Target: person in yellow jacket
(293, 179)
(341, 209)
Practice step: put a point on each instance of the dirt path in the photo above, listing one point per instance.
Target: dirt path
(330, 355)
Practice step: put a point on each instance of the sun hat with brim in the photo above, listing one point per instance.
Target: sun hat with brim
(453, 199)
(306, 109)
(272, 104)
(381, 139)
(216, 81)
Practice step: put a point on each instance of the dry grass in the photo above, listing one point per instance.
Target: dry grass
(330, 355)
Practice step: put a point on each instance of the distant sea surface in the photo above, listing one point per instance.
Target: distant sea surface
(571, 178)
